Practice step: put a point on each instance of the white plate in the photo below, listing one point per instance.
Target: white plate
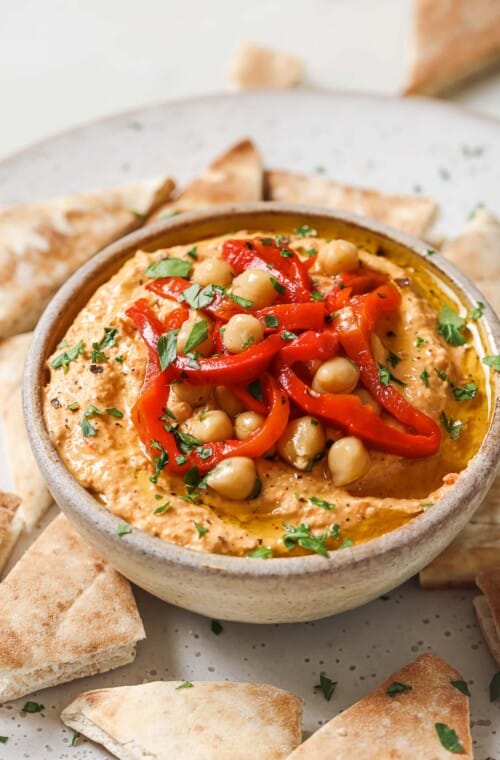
(391, 144)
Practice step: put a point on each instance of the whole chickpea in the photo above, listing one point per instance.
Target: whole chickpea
(212, 271)
(304, 438)
(247, 423)
(255, 285)
(195, 395)
(227, 401)
(206, 347)
(337, 375)
(242, 331)
(214, 425)
(348, 460)
(234, 478)
(337, 256)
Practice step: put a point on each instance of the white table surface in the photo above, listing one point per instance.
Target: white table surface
(63, 62)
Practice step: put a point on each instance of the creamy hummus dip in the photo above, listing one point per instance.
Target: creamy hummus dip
(326, 482)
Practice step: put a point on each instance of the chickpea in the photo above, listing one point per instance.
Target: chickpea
(227, 401)
(348, 460)
(213, 425)
(247, 423)
(212, 271)
(242, 331)
(256, 286)
(337, 256)
(195, 395)
(304, 438)
(367, 398)
(180, 409)
(338, 375)
(234, 478)
(204, 348)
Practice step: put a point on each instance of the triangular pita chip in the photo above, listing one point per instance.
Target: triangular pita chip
(234, 177)
(488, 609)
(41, 244)
(204, 720)
(12, 355)
(255, 67)
(64, 613)
(452, 40)
(401, 727)
(404, 212)
(477, 253)
(11, 525)
(475, 550)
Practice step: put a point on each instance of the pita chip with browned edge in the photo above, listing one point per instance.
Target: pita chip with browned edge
(234, 177)
(420, 713)
(199, 720)
(453, 40)
(42, 244)
(255, 67)
(487, 607)
(64, 614)
(12, 355)
(11, 526)
(408, 213)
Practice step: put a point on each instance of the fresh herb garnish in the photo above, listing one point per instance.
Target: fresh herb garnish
(249, 342)
(243, 302)
(419, 342)
(160, 460)
(167, 348)
(335, 531)
(305, 231)
(216, 627)
(430, 251)
(316, 296)
(255, 390)
(262, 552)
(321, 503)
(311, 252)
(200, 529)
(32, 707)
(64, 359)
(286, 253)
(108, 340)
(393, 359)
(327, 686)
(266, 241)
(192, 253)
(271, 321)
(448, 738)
(452, 427)
(181, 459)
(87, 428)
(477, 312)
(279, 288)
(346, 544)
(168, 268)
(424, 376)
(120, 359)
(467, 392)
(450, 326)
(386, 376)
(123, 529)
(492, 361)
(461, 686)
(162, 508)
(184, 685)
(495, 687)
(301, 535)
(73, 407)
(198, 297)
(114, 412)
(397, 687)
(76, 736)
(288, 335)
(198, 334)
(4, 739)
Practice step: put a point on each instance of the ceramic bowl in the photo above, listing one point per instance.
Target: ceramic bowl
(244, 589)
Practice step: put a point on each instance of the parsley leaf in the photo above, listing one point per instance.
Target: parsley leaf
(243, 302)
(198, 335)
(216, 627)
(288, 335)
(316, 296)
(192, 253)
(466, 393)
(321, 503)
(302, 536)
(160, 460)
(262, 552)
(393, 359)
(495, 687)
(452, 427)
(346, 544)
(123, 529)
(198, 297)
(162, 508)
(200, 529)
(4, 739)
(305, 231)
(271, 321)
(64, 359)
(87, 428)
(168, 268)
(114, 412)
(492, 361)
(419, 342)
(448, 738)
(167, 348)
(424, 376)
(477, 313)
(279, 288)
(461, 686)
(327, 686)
(397, 687)
(108, 340)
(76, 736)
(32, 707)
(286, 253)
(255, 390)
(185, 685)
(450, 326)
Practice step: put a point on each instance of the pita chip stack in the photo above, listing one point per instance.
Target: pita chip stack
(234, 177)
(407, 213)
(11, 525)
(64, 614)
(417, 713)
(12, 355)
(255, 67)
(452, 41)
(190, 721)
(487, 607)
(42, 244)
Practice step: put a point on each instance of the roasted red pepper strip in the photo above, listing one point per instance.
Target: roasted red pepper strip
(169, 287)
(300, 316)
(289, 271)
(250, 402)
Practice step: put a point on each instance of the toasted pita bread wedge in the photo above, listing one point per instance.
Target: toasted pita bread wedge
(12, 355)
(488, 610)
(475, 550)
(399, 720)
(255, 67)
(64, 614)
(404, 212)
(476, 252)
(234, 177)
(193, 721)
(11, 525)
(41, 244)
(452, 41)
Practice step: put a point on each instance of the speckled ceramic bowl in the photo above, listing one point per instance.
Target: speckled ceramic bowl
(243, 589)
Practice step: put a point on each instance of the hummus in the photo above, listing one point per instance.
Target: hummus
(97, 374)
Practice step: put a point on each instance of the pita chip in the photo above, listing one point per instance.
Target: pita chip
(452, 41)
(408, 213)
(487, 609)
(400, 719)
(475, 550)
(234, 177)
(477, 253)
(11, 525)
(202, 720)
(42, 244)
(64, 614)
(255, 67)
(12, 355)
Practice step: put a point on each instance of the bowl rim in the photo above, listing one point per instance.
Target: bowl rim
(481, 468)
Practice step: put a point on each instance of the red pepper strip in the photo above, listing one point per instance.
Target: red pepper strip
(302, 316)
(289, 271)
(169, 287)
(362, 280)
(235, 368)
(337, 298)
(257, 443)
(246, 398)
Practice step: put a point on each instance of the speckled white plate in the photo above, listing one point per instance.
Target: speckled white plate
(399, 146)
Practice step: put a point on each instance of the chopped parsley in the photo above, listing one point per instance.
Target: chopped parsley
(249, 342)
(255, 390)
(286, 253)
(243, 302)
(167, 348)
(63, 360)
(448, 738)
(492, 361)
(397, 687)
(467, 392)
(185, 685)
(495, 687)
(120, 359)
(419, 342)
(168, 268)
(4, 739)
(477, 312)
(87, 428)
(347, 543)
(216, 627)
(424, 376)
(73, 407)
(305, 231)
(327, 686)
(181, 459)
(321, 503)
(461, 686)
(279, 288)
(198, 334)
(316, 296)
(160, 460)
(386, 376)
(450, 326)
(114, 412)
(32, 707)
(301, 535)
(192, 253)
(311, 252)
(270, 320)
(393, 359)
(198, 297)
(162, 508)
(76, 736)
(266, 241)
(452, 427)
(108, 340)
(335, 531)
(287, 335)
(200, 529)
(123, 529)
(430, 251)
(262, 552)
